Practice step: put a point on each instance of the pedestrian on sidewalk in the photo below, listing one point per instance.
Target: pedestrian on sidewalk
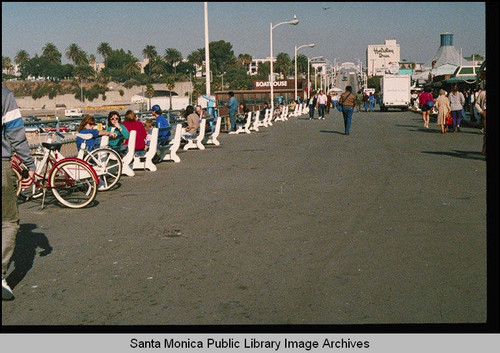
(443, 107)
(457, 101)
(423, 99)
(480, 106)
(347, 101)
(13, 139)
(232, 107)
(312, 104)
(359, 100)
(321, 103)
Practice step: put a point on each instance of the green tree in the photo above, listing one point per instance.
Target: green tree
(6, 63)
(22, 58)
(264, 70)
(75, 54)
(301, 64)
(150, 91)
(170, 83)
(173, 57)
(157, 67)
(244, 60)
(197, 57)
(283, 65)
(149, 52)
(132, 69)
(51, 53)
(104, 49)
(221, 56)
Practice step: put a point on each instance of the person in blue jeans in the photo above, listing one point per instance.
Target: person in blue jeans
(312, 104)
(232, 107)
(347, 101)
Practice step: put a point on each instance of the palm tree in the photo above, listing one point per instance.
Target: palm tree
(104, 49)
(74, 53)
(197, 57)
(150, 91)
(283, 64)
(132, 69)
(173, 57)
(51, 53)
(170, 85)
(21, 57)
(149, 52)
(244, 59)
(6, 63)
(157, 67)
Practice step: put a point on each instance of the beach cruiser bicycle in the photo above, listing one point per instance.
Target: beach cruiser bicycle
(73, 181)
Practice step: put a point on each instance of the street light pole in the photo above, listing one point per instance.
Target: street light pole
(207, 53)
(297, 48)
(271, 78)
(309, 75)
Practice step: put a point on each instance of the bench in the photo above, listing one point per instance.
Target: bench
(256, 121)
(195, 141)
(168, 152)
(243, 126)
(211, 137)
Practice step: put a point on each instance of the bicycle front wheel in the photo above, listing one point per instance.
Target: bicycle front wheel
(73, 183)
(107, 163)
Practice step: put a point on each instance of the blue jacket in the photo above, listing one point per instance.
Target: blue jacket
(232, 105)
(161, 121)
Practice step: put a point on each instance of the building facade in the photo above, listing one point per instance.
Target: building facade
(380, 57)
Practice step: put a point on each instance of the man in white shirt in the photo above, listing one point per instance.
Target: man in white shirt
(321, 104)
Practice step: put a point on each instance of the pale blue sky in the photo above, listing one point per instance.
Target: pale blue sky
(343, 31)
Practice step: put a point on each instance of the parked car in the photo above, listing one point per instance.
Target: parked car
(62, 128)
(32, 118)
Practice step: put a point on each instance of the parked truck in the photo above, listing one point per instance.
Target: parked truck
(395, 92)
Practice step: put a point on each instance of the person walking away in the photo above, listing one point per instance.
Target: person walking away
(13, 139)
(328, 103)
(424, 99)
(161, 122)
(371, 101)
(457, 101)
(480, 106)
(365, 101)
(443, 107)
(359, 100)
(232, 107)
(321, 103)
(312, 104)
(347, 101)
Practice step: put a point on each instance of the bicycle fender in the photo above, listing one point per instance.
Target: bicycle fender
(94, 174)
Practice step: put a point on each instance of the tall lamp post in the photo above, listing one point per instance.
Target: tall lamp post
(271, 78)
(207, 53)
(297, 48)
(309, 74)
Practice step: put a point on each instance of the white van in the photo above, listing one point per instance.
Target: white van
(77, 112)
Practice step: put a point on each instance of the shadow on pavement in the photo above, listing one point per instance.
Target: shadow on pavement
(474, 155)
(332, 132)
(27, 242)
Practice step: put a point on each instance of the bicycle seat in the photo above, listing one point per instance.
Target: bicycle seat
(53, 146)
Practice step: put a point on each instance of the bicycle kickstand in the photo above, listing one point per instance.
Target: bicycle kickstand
(43, 199)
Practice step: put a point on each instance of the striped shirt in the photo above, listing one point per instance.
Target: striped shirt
(13, 133)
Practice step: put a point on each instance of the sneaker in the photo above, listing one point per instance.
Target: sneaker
(6, 291)
(458, 128)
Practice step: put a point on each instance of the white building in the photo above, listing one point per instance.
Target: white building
(380, 57)
(253, 67)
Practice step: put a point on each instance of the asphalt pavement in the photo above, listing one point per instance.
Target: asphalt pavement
(294, 224)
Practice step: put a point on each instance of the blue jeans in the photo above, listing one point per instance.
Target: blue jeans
(457, 118)
(311, 111)
(366, 106)
(232, 118)
(347, 114)
(321, 110)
